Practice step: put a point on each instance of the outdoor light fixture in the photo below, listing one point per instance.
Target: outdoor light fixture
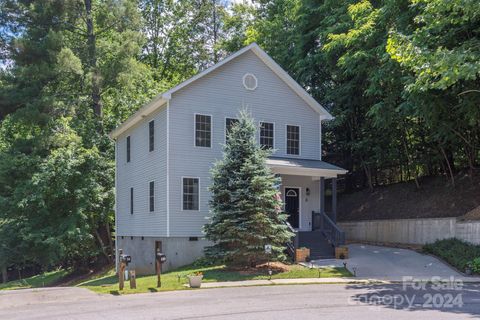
(307, 191)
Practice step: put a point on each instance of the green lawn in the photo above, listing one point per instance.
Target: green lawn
(42, 280)
(176, 279)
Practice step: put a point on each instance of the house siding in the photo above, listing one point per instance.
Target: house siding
(144, 166)
(221, 94)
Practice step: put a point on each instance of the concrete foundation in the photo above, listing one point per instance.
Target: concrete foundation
(412, 231)
(180, 251)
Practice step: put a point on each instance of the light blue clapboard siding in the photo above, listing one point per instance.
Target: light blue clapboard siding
(144, 166)
(221, 94)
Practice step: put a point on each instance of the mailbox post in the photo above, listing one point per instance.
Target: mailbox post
(268, 252)
(124, 261)
(160, 258)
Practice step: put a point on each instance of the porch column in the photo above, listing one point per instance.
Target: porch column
(322, 195)
(334, 200)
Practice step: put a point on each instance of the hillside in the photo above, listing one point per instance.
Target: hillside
(435, 199)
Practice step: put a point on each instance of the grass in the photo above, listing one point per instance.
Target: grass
(455, 252)
(41, 280)
(176, 279)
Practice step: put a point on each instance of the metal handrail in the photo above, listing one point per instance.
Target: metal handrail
(332, 232)
(292, 245)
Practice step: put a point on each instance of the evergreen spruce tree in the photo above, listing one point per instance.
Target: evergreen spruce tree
(245, 205)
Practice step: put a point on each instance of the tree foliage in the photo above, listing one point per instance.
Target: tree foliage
(401, 78)
(245, 205)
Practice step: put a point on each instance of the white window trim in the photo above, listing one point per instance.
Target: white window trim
(243, 81)
(299, 140)
(299, 203)
(148, 135)
(225, 127)
(154, 198)
(195, 129)
(199, 197)
(260, 132)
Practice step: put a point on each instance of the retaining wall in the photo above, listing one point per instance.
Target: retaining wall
(411, 231)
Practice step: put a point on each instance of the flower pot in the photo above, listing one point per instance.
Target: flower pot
(301, 254)
(195, 281)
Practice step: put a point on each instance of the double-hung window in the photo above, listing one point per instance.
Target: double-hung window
(293, 140)
(151, 197)
(128, 149)
(151, 135)
(229, 123)
(266, 135)
(203, 130)
(190, 194)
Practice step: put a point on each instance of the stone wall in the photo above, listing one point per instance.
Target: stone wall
(411, 231)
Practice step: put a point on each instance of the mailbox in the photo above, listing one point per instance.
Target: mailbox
(125, 258)
(162, 258)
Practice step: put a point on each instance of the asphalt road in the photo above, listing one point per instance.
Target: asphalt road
(327, 301)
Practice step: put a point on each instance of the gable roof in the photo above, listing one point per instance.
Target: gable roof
(162, 98)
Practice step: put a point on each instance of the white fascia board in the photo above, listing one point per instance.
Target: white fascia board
(143, 112)
(209, 70)
(310, 172)
(282, 74)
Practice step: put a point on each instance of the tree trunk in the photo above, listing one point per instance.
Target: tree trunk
(448, 165)
(215, 32)
(110, 242)
(4, 274)
(102, 245)
(92, 60)
(369, 176)
(409, 160)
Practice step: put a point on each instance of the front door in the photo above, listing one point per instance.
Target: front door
(292, 206)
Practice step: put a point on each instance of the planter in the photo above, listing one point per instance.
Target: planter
(301, 254)
(195, 281)
(341, 253)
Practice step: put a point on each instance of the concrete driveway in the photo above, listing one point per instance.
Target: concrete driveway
(388, 263)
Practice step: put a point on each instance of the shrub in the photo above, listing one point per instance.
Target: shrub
(455, 252)
(475, 265)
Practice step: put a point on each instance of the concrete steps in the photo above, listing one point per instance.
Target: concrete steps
(319, 246)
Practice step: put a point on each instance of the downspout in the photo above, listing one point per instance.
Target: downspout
(116, 208)
(168, 165)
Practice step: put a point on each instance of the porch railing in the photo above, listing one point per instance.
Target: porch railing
(292, 245)
(321, 221)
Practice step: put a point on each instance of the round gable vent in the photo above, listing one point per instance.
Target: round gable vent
(250, 81)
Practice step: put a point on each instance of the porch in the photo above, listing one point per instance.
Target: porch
(309, 192)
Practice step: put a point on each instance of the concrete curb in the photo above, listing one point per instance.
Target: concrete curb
(249, 283)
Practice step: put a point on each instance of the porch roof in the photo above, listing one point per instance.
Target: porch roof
(304, 167)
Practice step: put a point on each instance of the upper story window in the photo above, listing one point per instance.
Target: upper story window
(190, 197)
(293, 140)
(151, 198)
(203, 130)
(151, 135)
(229, 123)
(266, 135)
(131, 200)
(128, 149)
